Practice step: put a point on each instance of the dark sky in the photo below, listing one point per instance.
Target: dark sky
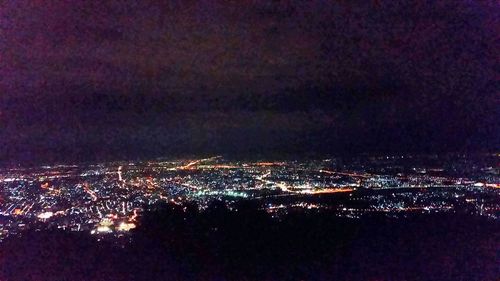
(93, 80)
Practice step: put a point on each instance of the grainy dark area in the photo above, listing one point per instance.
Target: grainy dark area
(97, 80)
(184, 244)
(124, 122)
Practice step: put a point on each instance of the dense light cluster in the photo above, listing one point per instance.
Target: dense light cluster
(109, 197)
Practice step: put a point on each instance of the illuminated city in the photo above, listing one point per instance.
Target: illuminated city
(110, 197)
(262, 140)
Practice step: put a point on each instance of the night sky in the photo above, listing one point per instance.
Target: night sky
(98, 80)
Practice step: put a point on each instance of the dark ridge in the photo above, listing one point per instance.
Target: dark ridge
(182, 243)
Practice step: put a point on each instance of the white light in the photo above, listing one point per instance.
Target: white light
(104, 229)
(45, 215)
(126, 226)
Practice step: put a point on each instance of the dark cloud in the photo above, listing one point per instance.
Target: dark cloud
(89, 79)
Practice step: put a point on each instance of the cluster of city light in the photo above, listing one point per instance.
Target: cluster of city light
(109, 198)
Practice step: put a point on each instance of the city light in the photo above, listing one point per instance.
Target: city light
(110, 198)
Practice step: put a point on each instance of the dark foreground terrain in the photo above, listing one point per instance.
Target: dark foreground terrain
(182, 243)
